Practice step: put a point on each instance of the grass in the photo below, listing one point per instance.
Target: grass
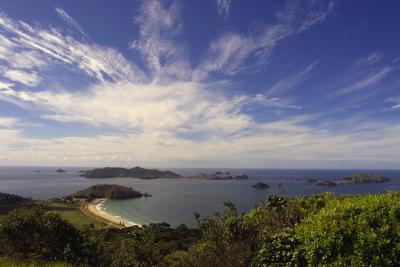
(13, 262)
(74, 214)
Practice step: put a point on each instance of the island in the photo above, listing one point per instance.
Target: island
(219, 176)
(260, 185)
(60, 170)
(327, 183)
(357, 178)
(108, 191)
(142, 173)
(136, 172)
(363, 178)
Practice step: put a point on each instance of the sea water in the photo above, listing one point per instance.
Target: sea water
(176, 200)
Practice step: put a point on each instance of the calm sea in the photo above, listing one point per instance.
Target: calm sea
(176, 200)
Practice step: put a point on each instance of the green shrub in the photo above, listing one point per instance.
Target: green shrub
(38, 234)
(354, 231)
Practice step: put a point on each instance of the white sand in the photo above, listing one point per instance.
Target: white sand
(96, 207)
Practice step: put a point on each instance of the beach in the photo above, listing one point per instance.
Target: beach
(95, 207)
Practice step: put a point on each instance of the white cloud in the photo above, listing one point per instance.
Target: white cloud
(69, 20)
(28, 79)
(160, 27)
(52, 46)
(229, 53)
(367, 81)
(292, 80)
(223, 7)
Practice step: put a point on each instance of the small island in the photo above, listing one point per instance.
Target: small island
(60, 170)
(260, 185)
(357, 178)
(363, 178)
(136, 172)
(328, 183)
(108, 191)
(219, 176)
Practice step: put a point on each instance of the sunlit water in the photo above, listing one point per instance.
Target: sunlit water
(176, 200)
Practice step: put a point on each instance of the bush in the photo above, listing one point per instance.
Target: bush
(35, 233)
(354, 231)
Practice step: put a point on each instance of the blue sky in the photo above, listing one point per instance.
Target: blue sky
(218, 83)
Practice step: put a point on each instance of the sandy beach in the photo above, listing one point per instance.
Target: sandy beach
(95, 207)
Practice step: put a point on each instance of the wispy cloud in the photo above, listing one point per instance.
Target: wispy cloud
(229, 53)
(69, 20)
(27, 78)
(292, 80)
(223, 7)
(51, 46)
(368, 81)
(160, 27)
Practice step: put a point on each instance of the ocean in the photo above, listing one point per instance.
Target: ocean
(176, 200)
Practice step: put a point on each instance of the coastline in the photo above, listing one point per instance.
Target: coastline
(95, 207)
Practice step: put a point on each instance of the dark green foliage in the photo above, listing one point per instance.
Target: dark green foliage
(322, 230)
(280, 249)
(110, 191)
(38, 234)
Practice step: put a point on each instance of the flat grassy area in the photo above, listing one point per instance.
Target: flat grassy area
(11, 262)
(73, 213)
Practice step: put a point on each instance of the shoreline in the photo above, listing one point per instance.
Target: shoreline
(95, 207)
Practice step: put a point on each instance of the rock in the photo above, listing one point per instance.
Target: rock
(260, 185)
(60, 170)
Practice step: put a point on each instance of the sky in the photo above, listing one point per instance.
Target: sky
(216, 83)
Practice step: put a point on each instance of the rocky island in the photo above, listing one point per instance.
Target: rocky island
(260, 185)
(136, 172)
(60, 170)
(109, 191)
(357, 178)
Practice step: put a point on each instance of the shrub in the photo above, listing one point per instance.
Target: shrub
(354, 231)
(39, 234)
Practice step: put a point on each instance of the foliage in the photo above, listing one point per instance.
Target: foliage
(322, 230)
(354, 231)
(38, 234)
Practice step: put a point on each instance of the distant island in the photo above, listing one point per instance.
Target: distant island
(60, 170)
(260, 185)
(109, 191)
(136, 172)
(357, 178)
(219, 176)
(142, 173)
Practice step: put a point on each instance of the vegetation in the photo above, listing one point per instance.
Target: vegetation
(322, 230)
(110, 191)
